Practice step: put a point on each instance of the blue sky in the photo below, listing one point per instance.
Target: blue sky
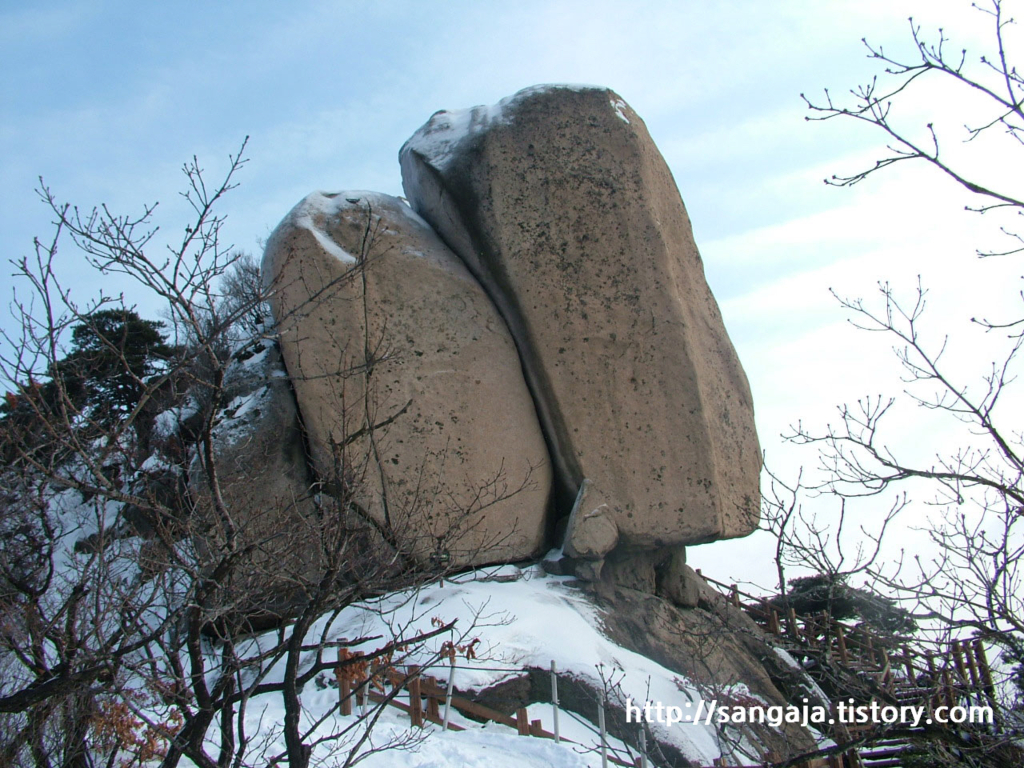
(106, 100)
(106, 103)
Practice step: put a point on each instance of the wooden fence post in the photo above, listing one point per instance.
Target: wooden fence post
(986, 679)
(958, 660)
(344, 676)
(972, 666)
(345, 693)
(433, 710)
(810, 630)
(908, 665)
(947, 688)
(983, 668)
(886, 680)
(522, 722)
(415, 699)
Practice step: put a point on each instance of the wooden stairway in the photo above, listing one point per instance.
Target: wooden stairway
(867, 665)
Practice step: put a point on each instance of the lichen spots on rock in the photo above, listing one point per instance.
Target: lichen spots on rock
(590, 258)
(411, 316)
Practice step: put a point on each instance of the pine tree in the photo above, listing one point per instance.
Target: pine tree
(113, 351)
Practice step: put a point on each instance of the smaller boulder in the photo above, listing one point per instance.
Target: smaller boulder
(592, 532)
(264, 484)
(408, 382)
(678, 582)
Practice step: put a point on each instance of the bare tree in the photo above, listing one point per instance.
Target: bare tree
(147, 595)
(969, 582)
(999, 118)
(818, 543)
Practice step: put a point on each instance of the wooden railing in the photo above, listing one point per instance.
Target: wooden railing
(955, 673)
(429, 699)
(959, 675)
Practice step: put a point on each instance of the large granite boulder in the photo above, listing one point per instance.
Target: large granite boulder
(561, 205)
(407, 381)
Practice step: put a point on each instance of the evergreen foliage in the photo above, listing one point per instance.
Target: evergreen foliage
(113, 351)
(826, 592)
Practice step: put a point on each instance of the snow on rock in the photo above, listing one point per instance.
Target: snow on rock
(255, 380)
(167, 423)
(241, 415)
(156, 463)
(620, 109)
(493, 746)
(813, 687)
(440, 137)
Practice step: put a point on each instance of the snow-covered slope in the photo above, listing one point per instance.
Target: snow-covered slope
(523, 618)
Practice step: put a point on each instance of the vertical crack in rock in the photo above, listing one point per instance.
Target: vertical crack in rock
(459, 229)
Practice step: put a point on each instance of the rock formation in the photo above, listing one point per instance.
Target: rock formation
(408, 381)
(264, 481)
(719, 648)
(561, 205)
(583, 275)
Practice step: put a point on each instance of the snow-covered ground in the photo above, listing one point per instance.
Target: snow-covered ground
(523, 618)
